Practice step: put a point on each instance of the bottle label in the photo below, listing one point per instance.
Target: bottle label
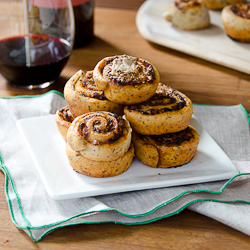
(57, 3)
(79, 2)
(54, 4)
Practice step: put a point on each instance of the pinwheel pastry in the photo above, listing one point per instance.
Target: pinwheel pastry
(220, 4)
(125, 79)
(99, 144)
(236, 20)
(168, 111)
(82, 96)
(188, 14)
(63, 118)
(168, 150)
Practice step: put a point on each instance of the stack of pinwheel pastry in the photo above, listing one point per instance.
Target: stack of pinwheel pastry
(121, 110)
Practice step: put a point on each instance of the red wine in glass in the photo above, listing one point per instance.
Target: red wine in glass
(33, 60)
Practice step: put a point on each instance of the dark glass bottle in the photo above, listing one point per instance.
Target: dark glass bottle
(84, 22)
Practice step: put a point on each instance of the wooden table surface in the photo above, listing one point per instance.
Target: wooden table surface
(202, 81)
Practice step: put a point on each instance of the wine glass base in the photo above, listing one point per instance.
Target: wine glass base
(31, 87)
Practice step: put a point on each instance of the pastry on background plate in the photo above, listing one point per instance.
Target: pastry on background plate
(125, 79)
(168, 150)
(236, 20)
(82, 96)
(168, 111)
(63, 119)
(220, 4)
(99, 144)
(188, 14)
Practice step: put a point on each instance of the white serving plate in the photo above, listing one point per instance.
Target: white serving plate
(47, 149)
(211, 44)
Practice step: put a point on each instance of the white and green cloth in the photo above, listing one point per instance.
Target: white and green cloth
(32, 210)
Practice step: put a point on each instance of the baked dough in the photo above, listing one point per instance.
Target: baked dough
(91, 168)
(188, 14)
(63, 119)
(220, 4)
(99, 144)
(82, 96)
(100, 136)
(236, 20)
(125, 79)
(168, 111)
(169, 150)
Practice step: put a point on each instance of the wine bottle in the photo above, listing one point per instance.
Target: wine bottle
(84, 22)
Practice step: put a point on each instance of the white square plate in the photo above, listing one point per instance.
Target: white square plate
(47, 149)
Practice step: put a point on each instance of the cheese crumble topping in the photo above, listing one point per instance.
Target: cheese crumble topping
(124, 64)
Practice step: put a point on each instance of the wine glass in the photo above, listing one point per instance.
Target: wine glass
(36, 40)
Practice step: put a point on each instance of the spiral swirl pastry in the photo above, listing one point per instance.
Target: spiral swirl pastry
(168, 111)
(82, 96)
(236, 21)
(99, 144)
(100, 136)
(63, 119)
(188, 14)
(125, 79)
(168, 150)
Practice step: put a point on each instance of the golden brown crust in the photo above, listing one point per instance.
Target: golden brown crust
(100, 136)
(145, 152)
(184, 5)
(82, 96)
(220, 4)
(188, 14)
(63, 119)
(168, 150)
(168, 111)
(99, 168)
(236, 20)
(125, 79)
